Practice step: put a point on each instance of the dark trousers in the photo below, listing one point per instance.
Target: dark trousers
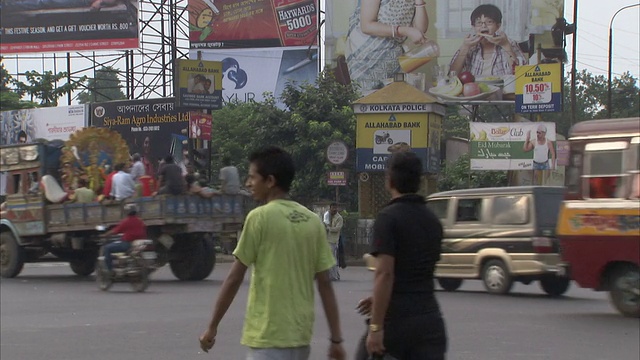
(422, 337)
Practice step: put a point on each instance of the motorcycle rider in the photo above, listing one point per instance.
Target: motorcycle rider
(132, 228)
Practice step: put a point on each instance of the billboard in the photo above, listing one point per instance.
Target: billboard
(31, 26)
(486, 38)
(233, 24)
(378, 133)
(53, 123)
(199, 84)
(153, 128)
(247, 74)
(200, 125)
(539, 88)
(513, 146)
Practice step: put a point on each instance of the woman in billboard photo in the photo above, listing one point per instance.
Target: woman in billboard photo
(377, 30)
(487, 51)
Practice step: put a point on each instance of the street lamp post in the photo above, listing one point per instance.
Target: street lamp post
(609, 101)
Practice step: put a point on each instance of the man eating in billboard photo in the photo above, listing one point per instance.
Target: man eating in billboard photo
(487, 51)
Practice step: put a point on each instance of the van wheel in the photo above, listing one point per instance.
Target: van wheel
(625, 290)
(496, 277)
(449, 284)
(11, 255)
(555, 285)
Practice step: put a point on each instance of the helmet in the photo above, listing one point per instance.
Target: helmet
(131, 209)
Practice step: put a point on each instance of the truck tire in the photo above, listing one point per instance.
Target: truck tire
(84, 266)
(555, 285)
(207, 260)
(185, 258)
(496, 277)
(11, 255)
(625, 290)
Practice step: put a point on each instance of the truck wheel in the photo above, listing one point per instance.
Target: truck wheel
(185, 258)
(496, 277)
(555, 285)
(207, 260)
(84, 266)
(449, 284)
(11, 255)
(625, 290)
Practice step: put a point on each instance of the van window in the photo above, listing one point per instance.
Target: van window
(439, 207)
(468, 210)
(510, 210)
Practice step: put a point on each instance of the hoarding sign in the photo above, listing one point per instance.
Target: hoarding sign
(199, 84)
(337, 178)
(377, 134)
(459, 32)
(54, 123)
(233, 24)
(200, 125)
(539, 88)
(153, 128)
(513, 146)
(248, 74)
(72, 25)
(337, 152)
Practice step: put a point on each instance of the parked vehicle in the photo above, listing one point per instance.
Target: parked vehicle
(599, 226)
(500, 235)
(134, 265)
(37, 220)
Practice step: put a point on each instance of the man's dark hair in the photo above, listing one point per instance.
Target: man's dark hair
(190, 179)
(404, 170)
(119, 167)
(274, 161)
(488, 10)
(226, 161)
(21, 135)
(168, 159)
(82, 182)
(333, 204)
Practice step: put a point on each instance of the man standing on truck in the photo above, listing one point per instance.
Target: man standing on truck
(286, 245)
(132, 228)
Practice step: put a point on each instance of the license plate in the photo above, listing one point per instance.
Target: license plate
(149, 255)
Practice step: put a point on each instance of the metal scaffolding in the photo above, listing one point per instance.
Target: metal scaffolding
(146, 72)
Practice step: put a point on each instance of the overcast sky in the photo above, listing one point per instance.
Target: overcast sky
(593, 36)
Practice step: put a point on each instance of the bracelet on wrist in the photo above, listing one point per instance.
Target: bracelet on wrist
(420, 5)
(337, 342)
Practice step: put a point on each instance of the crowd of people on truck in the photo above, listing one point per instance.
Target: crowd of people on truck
(130, 180)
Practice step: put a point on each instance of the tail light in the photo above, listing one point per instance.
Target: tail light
(542, 245)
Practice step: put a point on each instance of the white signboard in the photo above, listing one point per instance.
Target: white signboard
(337, 152)
(53, 123)
(513, 146)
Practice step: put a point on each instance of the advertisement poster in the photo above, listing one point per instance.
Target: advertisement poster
(154, 128)
(513, 146)
(200, 125)
(247, 74)
(337, 178)
(234, 24)
(53, 123)
(377, 134)
(539, 88)
(456, 36)
(32, 26)
(199, 84)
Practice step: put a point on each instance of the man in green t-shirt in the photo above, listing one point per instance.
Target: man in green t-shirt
(286, 245)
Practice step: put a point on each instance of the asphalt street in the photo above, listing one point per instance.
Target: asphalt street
(47, 313)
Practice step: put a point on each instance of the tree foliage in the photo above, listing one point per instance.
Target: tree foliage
(315, 115)
(456, 175)
(10, 99)
(44, 86)
(106, 86)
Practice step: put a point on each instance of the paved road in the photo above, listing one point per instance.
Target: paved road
(48, 313)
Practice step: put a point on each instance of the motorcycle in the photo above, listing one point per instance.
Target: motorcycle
(133, 266)
(385, 137)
